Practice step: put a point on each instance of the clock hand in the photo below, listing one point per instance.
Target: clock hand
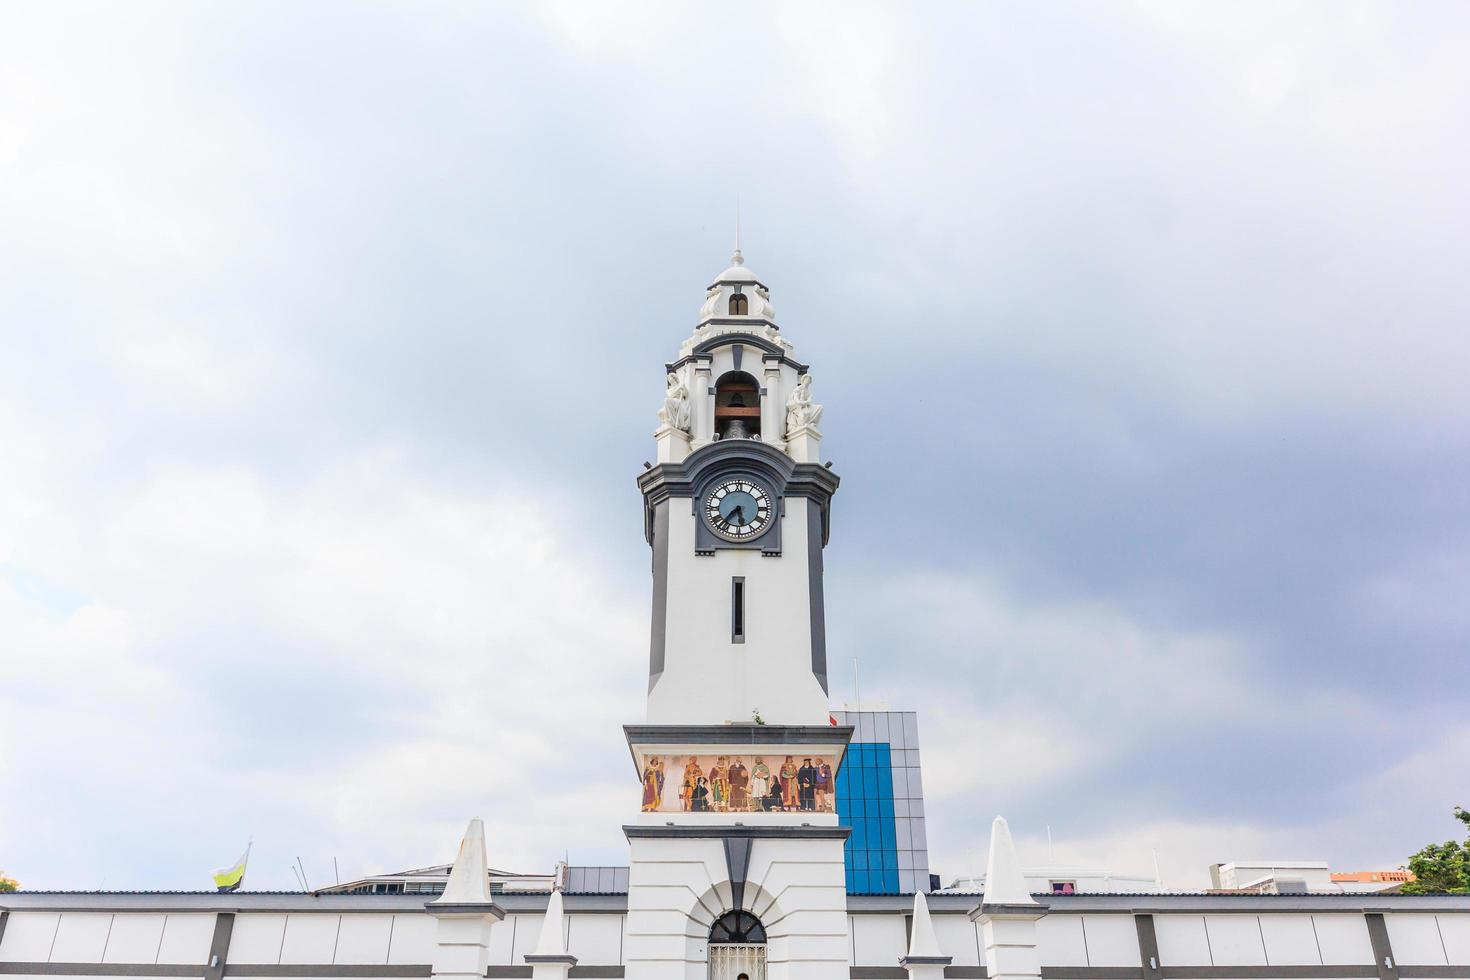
(738, 515)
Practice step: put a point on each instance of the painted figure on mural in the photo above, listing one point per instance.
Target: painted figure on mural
(806, 785)
(691, 779)
(771, 802)
(653, 783)
(739, 786)
(760, 779)
(824, 787)
(719, 784)
(789, 793)
(701, 796)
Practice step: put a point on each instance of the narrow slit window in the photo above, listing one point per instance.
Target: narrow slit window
(739, 305)
(737, 609)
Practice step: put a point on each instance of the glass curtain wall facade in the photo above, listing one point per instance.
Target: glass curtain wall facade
(880, 795)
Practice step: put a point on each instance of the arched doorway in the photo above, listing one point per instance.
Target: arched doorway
(737, 945)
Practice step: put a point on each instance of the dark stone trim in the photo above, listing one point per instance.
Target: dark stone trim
(715, 833)
(1090, 973)
(4, 917)
(904, 961)
(596, 971)
(219, 945)
(877, 973)
(706, 347)
(1148, 946)
(507, 971)
(566, 958)
(1383, 959)
(329, 970)
(464, 908)
(1265, 972)
(986, 908)
(738, 734)
(1434, 971)
(816, 537)
(659, 540)
(104, 969)
(737, 866)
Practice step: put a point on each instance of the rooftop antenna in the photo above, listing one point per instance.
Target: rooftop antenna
(303, 873)
(1158, 875)
(1051, 857)
(335, 873)
(857, 695)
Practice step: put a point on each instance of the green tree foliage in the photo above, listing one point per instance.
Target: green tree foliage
(1442, 867)
(8, 884)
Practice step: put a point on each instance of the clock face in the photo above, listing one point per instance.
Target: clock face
(738, 509)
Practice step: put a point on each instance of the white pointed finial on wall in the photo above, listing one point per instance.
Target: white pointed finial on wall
(465, 912)
(551, 959)
(923, 942)
(924, 960)
(1004, 883)
(552, 941)
(469, 879)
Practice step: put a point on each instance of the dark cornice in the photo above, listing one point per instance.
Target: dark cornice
(738, 734)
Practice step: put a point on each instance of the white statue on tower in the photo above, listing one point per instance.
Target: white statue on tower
(675, 413)
(800, 409)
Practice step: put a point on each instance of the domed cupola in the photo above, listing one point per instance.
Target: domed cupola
(737, 296)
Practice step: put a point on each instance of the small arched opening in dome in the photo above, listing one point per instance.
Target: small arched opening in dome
(737, 406)
(739, 304)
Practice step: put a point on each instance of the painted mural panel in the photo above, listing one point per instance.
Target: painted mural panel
(738, 784)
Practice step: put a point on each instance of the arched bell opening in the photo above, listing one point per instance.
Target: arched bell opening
(737, 947)
(737, 406)
(739, 304)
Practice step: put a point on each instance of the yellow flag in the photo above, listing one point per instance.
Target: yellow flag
(229, 879)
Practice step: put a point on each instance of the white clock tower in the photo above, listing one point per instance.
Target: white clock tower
(737, 863)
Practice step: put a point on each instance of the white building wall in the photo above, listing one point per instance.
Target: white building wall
(310, 938)
(28, 937)
(1416, 939)
(135, 938)
(1112, 940)
(186, 937)
(363, 938)
(1062, 940)
(412, 939)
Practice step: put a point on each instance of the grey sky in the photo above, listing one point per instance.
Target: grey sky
(332, 342)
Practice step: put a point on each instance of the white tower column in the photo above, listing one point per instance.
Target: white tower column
(773, 407)
(702, 402)
(1007, 914)
(465, 912)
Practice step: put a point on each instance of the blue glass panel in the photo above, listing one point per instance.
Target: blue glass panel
(860, 881)
(870, 784)
(889, 860)
(860, 860)
(890, 882)
(885, 809)
(883, 753)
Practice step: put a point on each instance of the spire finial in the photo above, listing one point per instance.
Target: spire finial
(737, 258)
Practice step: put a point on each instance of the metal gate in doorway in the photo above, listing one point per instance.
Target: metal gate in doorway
(727, 961)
